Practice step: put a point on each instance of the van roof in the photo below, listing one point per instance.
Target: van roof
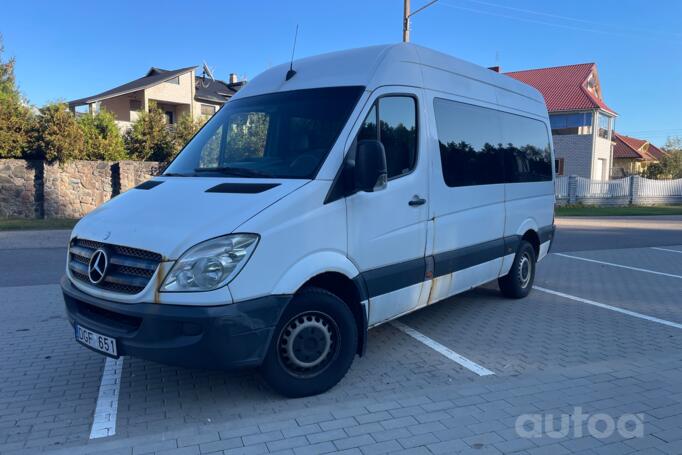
(395, 64)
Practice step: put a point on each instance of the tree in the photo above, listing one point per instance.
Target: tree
(670, 166)
(15, 117)
(102, 138)
(149, 138)
(185, 129)
(8, 86)
(57, 135)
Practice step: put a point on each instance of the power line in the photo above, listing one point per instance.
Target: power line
(551, 24)
(575, 19)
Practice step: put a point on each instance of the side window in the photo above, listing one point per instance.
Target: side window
(527, 151)
(481, 146)
(470, 142)
(396, 117)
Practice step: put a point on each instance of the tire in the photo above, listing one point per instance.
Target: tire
(313, 345)
(519, 281)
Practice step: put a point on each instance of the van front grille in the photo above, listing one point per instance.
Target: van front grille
(129, 269)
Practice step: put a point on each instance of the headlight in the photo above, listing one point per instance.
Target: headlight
(210, 264)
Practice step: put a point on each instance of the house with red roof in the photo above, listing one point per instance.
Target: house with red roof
(582, 123)
(632, 155)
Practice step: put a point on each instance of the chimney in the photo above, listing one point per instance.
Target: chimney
(497, 69)
(233, 78)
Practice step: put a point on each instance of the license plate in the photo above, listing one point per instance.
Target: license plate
(96, 341)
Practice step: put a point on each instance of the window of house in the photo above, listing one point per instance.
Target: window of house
(579, 123)
(175, 80)
(604, 126)
(480, 146)
(393, 121)
(135, 105)
(559, 166)
(207, 109)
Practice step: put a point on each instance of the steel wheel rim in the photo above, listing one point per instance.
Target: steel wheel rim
(525, 270)
(308, 343)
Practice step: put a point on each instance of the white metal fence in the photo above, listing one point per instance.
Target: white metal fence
(634, 190)
(658, 188)
(561, 186)
(602, 188)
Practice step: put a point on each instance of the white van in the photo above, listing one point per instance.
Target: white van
(318, 203)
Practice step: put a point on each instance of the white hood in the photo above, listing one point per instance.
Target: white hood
(179, 213)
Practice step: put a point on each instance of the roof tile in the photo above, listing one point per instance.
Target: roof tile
(563, 87)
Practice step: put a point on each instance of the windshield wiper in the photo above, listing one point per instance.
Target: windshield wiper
(234, 171)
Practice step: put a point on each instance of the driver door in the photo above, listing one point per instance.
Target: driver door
(387, 228)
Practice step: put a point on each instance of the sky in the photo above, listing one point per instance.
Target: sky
(71, 49)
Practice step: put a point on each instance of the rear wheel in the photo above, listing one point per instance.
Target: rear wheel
(519, 281)
(313, 345)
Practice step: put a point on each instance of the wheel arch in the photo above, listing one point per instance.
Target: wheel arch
(528, 231)
(333, 272)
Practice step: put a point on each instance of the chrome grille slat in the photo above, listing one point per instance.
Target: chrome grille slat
(81, 251)
(129, 270)
(133, 262)
(127, 280)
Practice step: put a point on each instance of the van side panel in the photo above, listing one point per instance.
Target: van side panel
(292, 230)
(468, 222)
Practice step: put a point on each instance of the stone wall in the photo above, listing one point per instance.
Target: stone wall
(73, 189)
(132, 173)
(19, 182)
(35, 189)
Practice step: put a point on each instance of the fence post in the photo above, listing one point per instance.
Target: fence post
(572, 189)
(634, 189)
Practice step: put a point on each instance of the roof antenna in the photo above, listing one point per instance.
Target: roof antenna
(291, 73)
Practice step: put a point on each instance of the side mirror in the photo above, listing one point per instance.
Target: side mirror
(370, 166)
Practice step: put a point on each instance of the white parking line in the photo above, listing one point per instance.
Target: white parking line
(447, 352)
(618, 265)
(104, 421)
(665, 249)
(612, 308)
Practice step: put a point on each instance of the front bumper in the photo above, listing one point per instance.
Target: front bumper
(220, 337)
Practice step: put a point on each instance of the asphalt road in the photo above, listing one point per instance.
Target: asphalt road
(605, 233)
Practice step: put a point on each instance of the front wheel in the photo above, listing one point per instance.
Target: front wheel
(313, 345)
(519, 281)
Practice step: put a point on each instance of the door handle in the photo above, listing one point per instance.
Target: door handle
(417, 201)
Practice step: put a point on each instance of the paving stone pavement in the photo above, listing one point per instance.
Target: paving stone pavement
(474, 418)
(549, 354)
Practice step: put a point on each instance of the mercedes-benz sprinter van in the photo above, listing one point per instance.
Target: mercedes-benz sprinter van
(316, 204)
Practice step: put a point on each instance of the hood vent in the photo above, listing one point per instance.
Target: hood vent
(242, 188)
(149, 184)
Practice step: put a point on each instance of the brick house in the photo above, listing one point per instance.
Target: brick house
(176, 92)
(582, 123)
(632, 156)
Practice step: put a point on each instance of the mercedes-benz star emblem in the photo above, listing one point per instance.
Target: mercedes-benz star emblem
(97, 268)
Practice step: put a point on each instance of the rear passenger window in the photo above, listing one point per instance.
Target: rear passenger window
(470, 141)
(480, 146)
(527, 155)
(396, 117)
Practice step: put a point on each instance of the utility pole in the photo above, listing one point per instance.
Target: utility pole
(407, 15)
(406, 21)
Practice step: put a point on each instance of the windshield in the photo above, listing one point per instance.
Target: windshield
(282, 135)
